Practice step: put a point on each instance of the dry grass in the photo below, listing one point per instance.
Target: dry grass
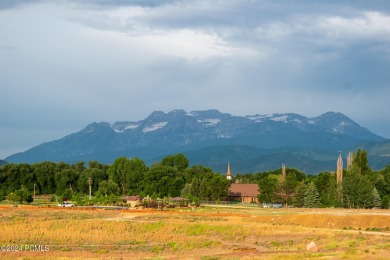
(208, 233)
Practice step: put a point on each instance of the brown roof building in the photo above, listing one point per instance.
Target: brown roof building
(131, 200)
(244, 192)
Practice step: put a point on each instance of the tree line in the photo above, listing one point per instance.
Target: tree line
(361, 187)
(171, 177)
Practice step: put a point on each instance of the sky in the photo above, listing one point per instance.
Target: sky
(65, 64)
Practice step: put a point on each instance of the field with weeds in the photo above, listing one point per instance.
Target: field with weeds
(202, 233)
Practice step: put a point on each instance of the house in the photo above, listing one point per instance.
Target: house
(133, 201)
(244, 192)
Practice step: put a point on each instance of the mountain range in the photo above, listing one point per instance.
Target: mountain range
(251, 143)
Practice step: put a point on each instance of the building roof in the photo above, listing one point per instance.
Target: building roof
(130, 198)
(244, 190)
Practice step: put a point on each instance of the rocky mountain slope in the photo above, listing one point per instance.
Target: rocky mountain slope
(265, 138)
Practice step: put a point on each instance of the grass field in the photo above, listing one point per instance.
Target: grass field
(205, 233)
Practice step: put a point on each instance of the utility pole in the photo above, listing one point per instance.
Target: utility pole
(90, 186)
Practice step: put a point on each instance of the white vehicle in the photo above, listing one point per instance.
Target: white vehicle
(66, 204)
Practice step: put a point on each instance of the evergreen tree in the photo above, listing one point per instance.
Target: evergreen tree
(360, 163)
(376, 199)
(312, 197)
(186, 191)
(327, 188)
(195, 187)
(299, 197)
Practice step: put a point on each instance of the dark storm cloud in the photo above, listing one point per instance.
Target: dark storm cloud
(65, 64)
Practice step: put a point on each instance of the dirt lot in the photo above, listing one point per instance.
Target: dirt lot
(202, 233)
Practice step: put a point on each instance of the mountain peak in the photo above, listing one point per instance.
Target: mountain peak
(178, 131)
(211, 113)
(93, 127)
(177, 112)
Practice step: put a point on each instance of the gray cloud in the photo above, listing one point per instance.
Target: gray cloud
(7, 4)
(65, 64)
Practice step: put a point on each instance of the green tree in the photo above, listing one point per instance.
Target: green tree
(360, 163)
(382, 181)
(108, 188)
(97, 165)
(219, 187)
(26, 176)
(68, 194)
(12, 196)
(376, 199)
(20, 195)
(186, 191)
(135, 173)
(79, 167)
(385, 202)
(357, 191)
(299, 197)
(117, 173)
(65, 179)
(10, 178)
(45, 177)
(204, 192)
(163, 180)
(327, 188)
(312, 197)
(285, 188)
(97, 176)
(179, 161)
(195, 187)
(267, 188)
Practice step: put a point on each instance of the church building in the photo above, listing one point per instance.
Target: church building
(243, 192)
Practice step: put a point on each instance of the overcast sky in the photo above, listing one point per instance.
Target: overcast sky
(65, 64)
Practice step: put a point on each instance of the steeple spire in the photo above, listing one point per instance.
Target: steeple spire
(228, 174)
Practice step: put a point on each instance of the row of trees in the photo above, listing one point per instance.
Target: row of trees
(361, 187)
(126, 176)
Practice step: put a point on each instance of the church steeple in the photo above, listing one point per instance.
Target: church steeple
(228, 174)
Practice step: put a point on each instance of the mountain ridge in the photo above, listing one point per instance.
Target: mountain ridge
(163, 133)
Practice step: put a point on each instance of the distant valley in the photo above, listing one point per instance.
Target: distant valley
(251, 143)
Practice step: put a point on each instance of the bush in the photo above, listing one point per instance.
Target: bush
(12, 196)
